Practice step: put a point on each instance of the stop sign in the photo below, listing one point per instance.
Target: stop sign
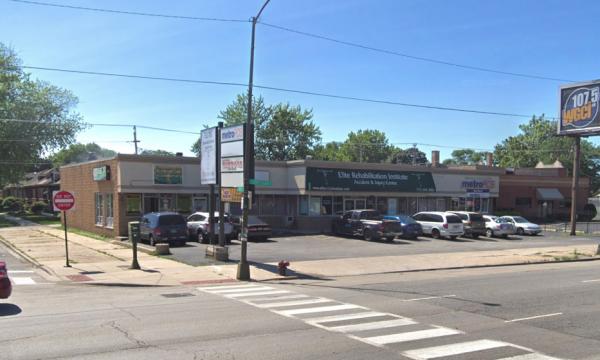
(63, 200)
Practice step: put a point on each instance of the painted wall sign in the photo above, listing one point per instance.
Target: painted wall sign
(368, 180)
(579, 109)
(164, 175)
(101, 173)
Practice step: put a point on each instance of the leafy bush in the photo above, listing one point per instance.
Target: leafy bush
(589, 212)
(38, 206)
(13, 204)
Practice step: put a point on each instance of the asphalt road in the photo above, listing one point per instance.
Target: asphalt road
(320, 247)
(476, 314)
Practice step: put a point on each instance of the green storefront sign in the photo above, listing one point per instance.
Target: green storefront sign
(324, 179)
(168, 175)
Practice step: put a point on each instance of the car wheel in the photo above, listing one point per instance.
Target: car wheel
(489, 233)
(520, 231)
(505, 236)
(151, 240)
(435, 233)
(368, 235)
(453, 237)
(201, 238)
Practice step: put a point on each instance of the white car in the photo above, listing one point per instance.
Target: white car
(440, 224)
(495, 226)
(523, 225)
(197, 225)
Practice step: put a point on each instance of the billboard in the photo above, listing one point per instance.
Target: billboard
(579, 105)
(328, 179)
(232, 156)
(208, 153)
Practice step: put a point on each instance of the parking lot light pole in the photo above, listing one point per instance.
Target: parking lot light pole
(243, 270)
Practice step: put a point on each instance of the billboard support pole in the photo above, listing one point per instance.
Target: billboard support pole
(221, 205)
(211, 214)
(575, 184)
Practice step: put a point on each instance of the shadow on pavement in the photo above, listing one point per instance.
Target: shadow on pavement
(9, 309)
(275, 270)
(125, 285)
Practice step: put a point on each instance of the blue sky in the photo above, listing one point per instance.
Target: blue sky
(549, 38)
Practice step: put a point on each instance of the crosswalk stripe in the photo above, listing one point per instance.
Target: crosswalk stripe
(294, 303)
(373, 325)
(227, 291)
(533, 356)
(210, 288)
(23, 280)
(411, 336)
(452, 349)
(270, 292)
(326, 319)
(275, 298)
(318, 309)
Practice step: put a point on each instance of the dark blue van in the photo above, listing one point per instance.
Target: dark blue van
(163, 227)
(410, 228)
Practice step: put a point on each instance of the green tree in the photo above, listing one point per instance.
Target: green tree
(328, 152)
(282, 131)
(76, 153)
(538, 142)
(408, 156)
(466, 157)
(366, 146)
(50, 123)
(156, 152)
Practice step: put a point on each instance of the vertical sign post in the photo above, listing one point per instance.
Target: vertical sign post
(208, 172)
(63, 201)
(579, 117)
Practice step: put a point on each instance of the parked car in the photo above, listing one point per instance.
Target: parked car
(161, 227)
(440, 224)
(496, 226)
(473, 223)
(523, 225)
(257, 228)
(409, 227)
(368, 224)
(197, 226)
(5, 285)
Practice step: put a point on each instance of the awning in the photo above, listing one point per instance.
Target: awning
(549, 194)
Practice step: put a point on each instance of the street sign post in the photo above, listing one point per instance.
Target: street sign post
(64, 201)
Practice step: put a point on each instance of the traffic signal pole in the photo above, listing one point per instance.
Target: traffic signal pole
(243, 270)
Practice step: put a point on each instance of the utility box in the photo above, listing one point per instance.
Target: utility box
(134, 231)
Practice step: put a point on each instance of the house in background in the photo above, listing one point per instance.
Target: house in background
(35, 186)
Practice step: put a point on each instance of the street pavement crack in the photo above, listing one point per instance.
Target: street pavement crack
(139, 343)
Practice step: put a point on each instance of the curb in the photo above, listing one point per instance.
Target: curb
(28, 258)
(143, 248)
(458, 268)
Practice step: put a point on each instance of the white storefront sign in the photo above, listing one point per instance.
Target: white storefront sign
(232, 156)
(208, 148)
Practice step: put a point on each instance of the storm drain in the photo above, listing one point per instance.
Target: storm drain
(177, 295)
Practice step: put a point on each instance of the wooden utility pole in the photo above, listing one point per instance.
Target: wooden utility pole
(575, 184)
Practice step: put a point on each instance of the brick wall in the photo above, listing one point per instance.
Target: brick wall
(78, 180)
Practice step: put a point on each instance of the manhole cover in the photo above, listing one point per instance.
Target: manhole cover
(177, 295)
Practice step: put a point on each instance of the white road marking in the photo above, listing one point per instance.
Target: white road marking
(430, 297)
(326, 319)
(219, 287)
(534, 317)
(226, 291)
(23, 281)
(318, 309)
(294, 303)
(271, 292)
(534, 356)
(20, 271)
(275, 298)
(412, 335)
(452, 349)
(593, 280)
(384, 324)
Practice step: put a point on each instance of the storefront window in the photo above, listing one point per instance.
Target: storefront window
(167, 202)
(338, 205)
(109, 210)
(412, 205)
(382, 205)
(99, 206)
(326, 205)
(133, 202)
(150, 203)
(303, 210)
(371, 203)
(349, 205)
(392, 206)
(184, 203)
(360, 204)
(315, 206)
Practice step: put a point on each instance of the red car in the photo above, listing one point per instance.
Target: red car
(5, 285)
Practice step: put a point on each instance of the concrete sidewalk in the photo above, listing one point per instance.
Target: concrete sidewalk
(104, 262)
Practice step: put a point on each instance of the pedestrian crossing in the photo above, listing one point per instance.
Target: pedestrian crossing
(379, 329)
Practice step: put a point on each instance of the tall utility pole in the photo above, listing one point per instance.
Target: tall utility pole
(243, 271)
(575, 184)
(135, 140)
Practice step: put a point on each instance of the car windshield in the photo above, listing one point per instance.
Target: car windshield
(462, 216)
(519, 219)
(253, 220)
(476, 217)
(453, 219)
(171, 220)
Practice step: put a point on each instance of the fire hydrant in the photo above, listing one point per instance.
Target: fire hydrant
(283, 267)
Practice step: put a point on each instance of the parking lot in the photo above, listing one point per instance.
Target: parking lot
(321, 247)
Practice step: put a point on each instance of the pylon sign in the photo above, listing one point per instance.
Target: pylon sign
(580, 109)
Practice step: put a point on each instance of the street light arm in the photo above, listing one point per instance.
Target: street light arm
(261, 10)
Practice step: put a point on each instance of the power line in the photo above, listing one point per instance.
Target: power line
(273, 88)
(413, 57)
(124, 12)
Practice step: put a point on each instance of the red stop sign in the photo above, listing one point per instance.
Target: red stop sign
(63, 200)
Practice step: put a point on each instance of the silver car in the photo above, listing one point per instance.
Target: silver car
(496, 226)
(197, 226)
(523, 225)
(440, 224)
